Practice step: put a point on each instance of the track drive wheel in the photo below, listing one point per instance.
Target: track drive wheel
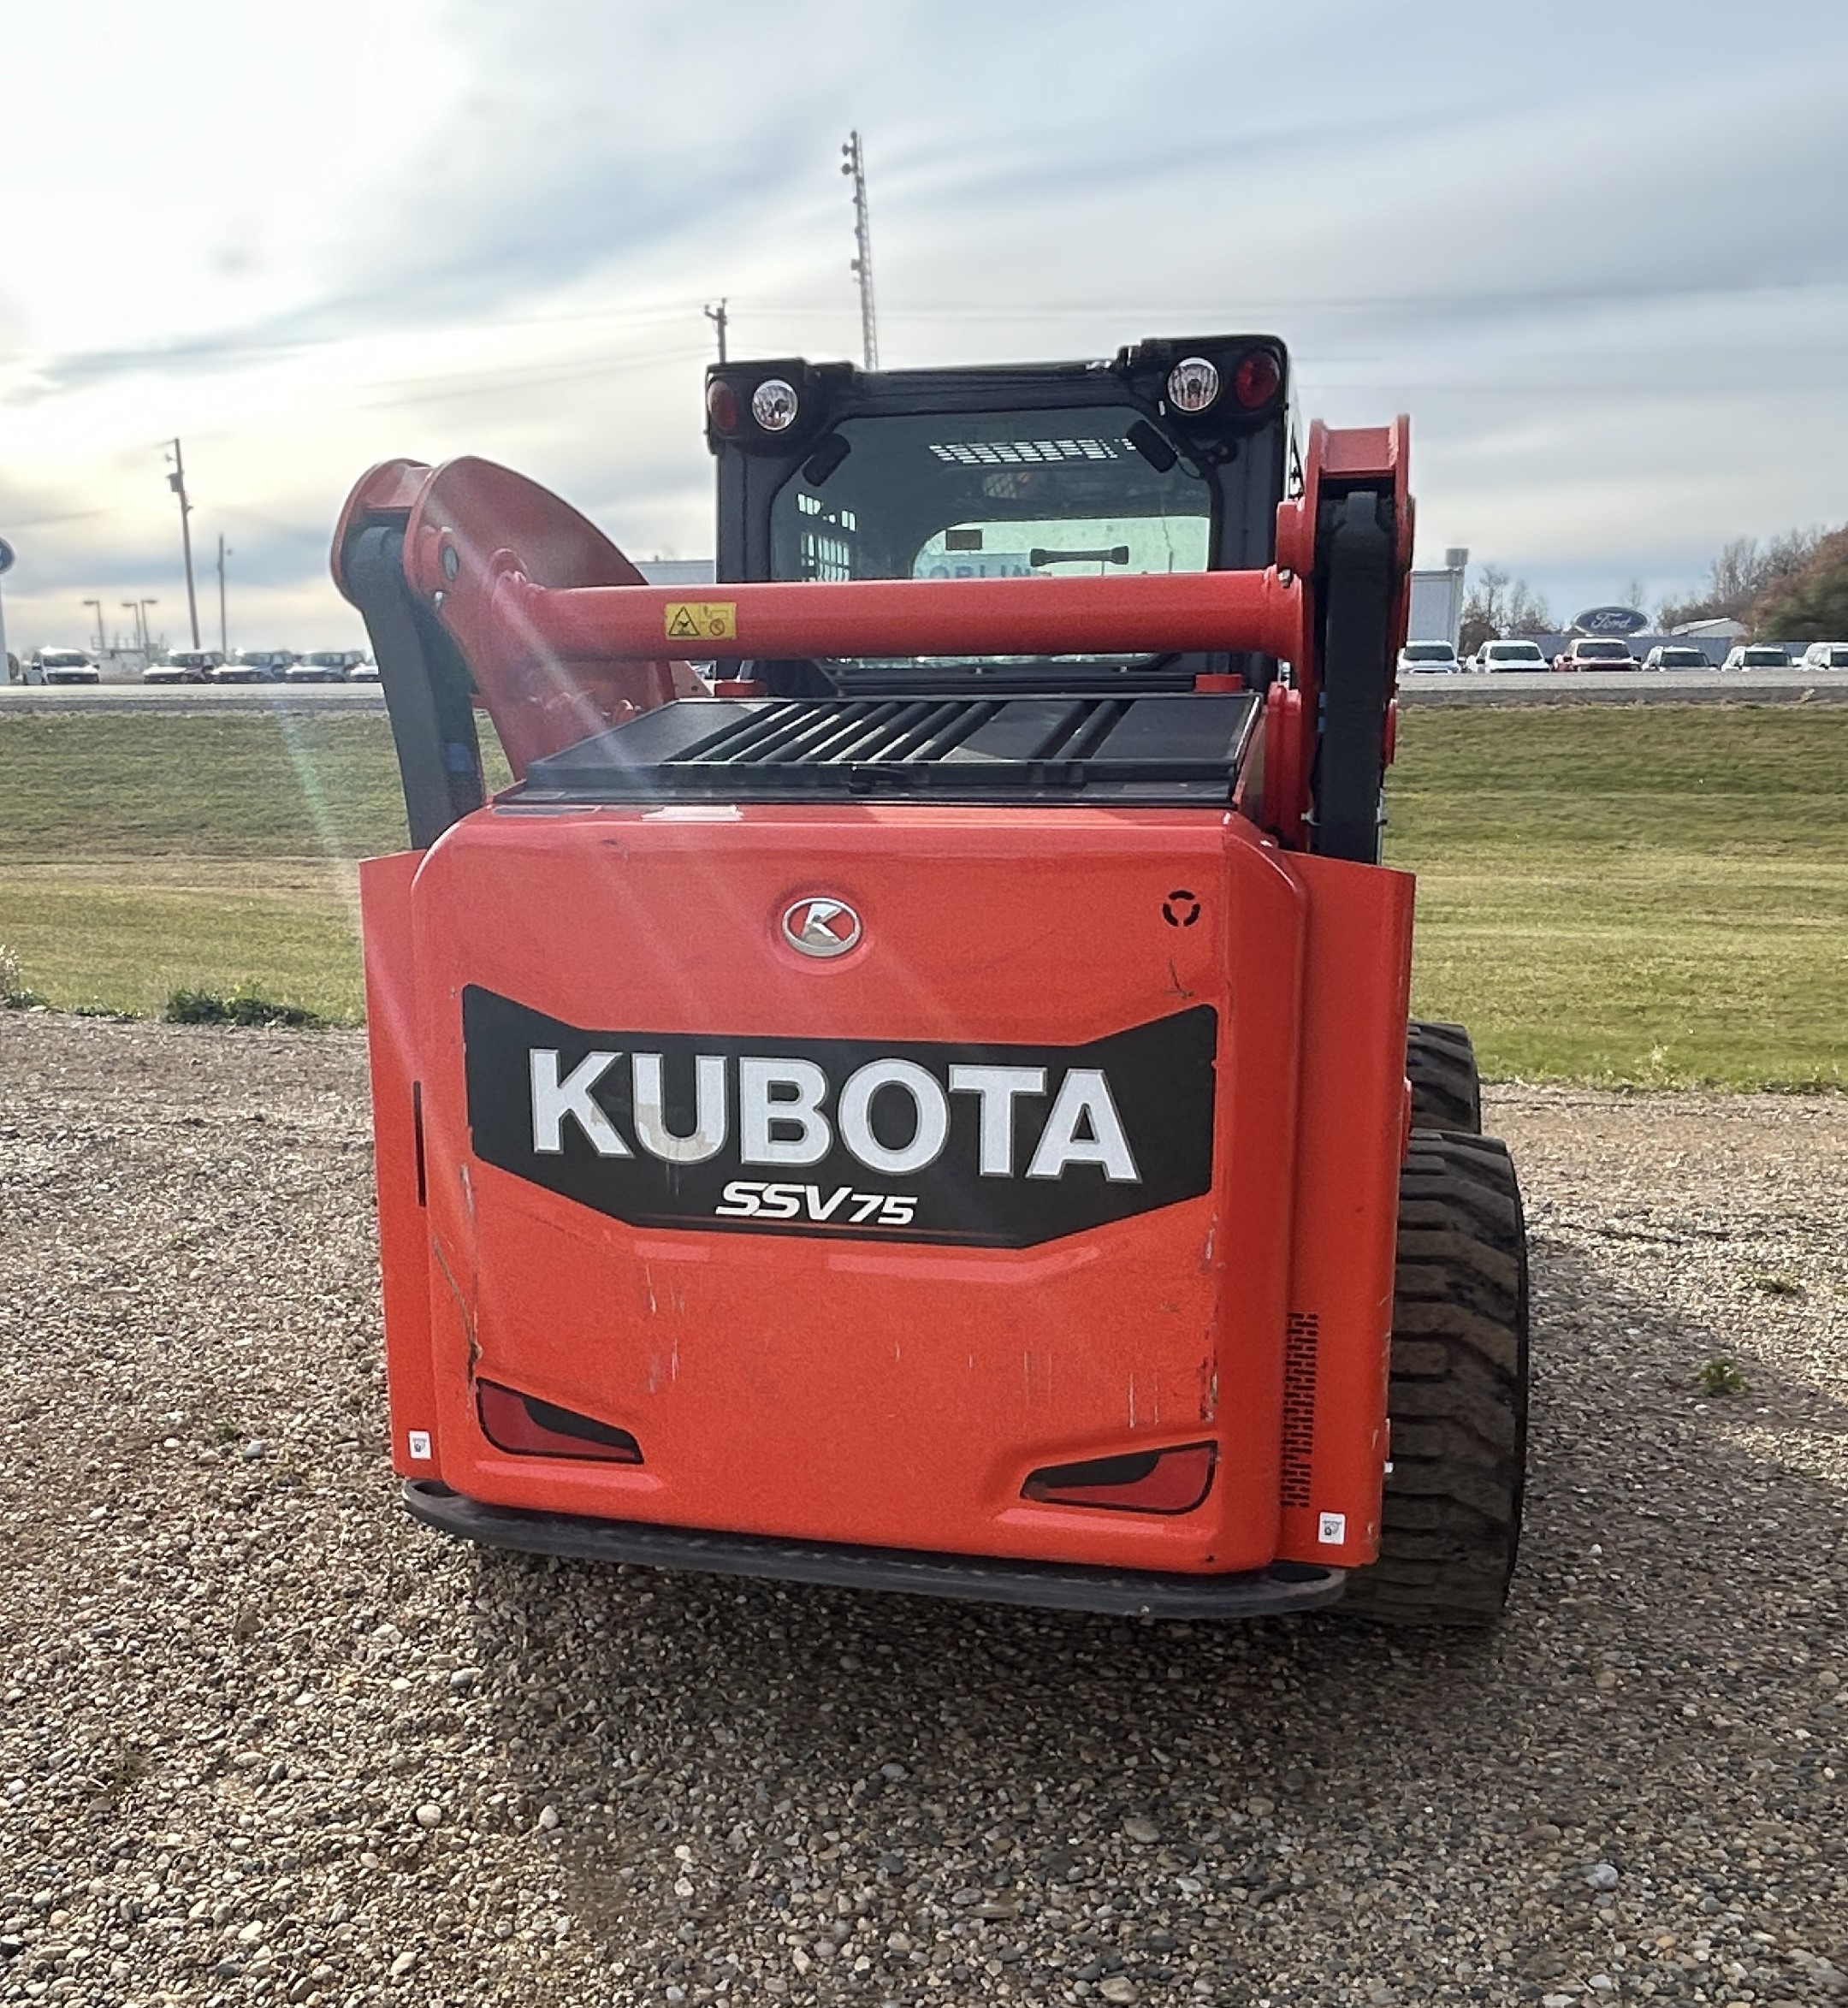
(1441, 1065)
(1457, 1396)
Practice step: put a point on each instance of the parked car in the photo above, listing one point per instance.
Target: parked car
(1825, 655)
(1676, 655)
(68, 665)
(1505, 658)
(364, 672)
(252, 665)
(1758, 655)
(183, 665)
(1429, 659)
(1596, 652)
(321, 666)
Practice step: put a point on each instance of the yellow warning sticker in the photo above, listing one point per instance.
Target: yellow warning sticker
(701, 620)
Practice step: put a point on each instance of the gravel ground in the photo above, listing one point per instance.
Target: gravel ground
(262, 1739)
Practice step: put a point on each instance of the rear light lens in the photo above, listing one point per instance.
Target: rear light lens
(722, 405)
(1147, 1481)
(529, 1427)
(773, 404)
(1255, 381)
(1193, 384)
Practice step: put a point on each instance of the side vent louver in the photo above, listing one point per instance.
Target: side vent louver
(1301, 1339)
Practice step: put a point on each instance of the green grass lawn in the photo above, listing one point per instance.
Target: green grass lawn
(1652, 895)
(142, 854)
(1655, 895)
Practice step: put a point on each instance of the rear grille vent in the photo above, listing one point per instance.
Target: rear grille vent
(1161, 750)
(889, 731)
(1301, 1342)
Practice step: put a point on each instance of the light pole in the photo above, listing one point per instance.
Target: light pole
(102, 639)
(135, 622)
(176, 481)
(853, 164)
(224, 640)
(147, 626)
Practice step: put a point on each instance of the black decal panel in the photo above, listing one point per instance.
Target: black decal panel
(1142, 1141)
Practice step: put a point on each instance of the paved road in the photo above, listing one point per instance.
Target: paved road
(1673, 686)
(1544, 687)
(214, 698)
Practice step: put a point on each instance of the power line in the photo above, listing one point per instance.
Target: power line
(515, 376)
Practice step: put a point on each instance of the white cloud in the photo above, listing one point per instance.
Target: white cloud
(1597, 250)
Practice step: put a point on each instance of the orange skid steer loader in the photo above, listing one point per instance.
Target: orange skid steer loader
(930, 1105)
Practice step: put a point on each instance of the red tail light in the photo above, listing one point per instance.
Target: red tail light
(722, 405)
(1148, 1481)
(529, 1427)
(1255, 381)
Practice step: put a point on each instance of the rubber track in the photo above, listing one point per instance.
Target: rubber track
(1441, 1065)
(1457, 1396)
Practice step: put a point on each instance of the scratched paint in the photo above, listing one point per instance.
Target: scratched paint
(1208, 1389)
(471, 1307)
(464, 1310)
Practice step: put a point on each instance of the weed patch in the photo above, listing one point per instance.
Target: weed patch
(245, 1005)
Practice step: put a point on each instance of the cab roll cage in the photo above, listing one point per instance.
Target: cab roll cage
(479, 588)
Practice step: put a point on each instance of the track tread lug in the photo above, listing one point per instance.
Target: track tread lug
(1451, 1513)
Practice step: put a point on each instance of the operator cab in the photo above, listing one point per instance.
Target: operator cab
(1172, 458)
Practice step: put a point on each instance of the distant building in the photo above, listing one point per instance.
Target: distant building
(1437, 611)
(1722, 629)
(1713, 646)
(678, 571)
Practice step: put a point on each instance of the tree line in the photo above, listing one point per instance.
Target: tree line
(1790, 588)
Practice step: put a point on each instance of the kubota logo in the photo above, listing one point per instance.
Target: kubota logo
(993, 1145)
(785, 1115)
(821, 927)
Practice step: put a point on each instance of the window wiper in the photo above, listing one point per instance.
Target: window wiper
(1117, 554)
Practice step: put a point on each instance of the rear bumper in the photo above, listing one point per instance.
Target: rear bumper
(1285, 1587)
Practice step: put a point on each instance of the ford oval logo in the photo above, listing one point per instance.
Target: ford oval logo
(821, 927)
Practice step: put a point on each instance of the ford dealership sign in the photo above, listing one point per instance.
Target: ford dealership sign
(1609, 620)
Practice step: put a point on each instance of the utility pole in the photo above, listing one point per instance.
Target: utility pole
(717, 316)
(224, 644)
(176, 481)
(853, 163)
(6, 661)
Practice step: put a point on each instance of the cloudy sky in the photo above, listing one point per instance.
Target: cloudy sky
(1598, 250)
